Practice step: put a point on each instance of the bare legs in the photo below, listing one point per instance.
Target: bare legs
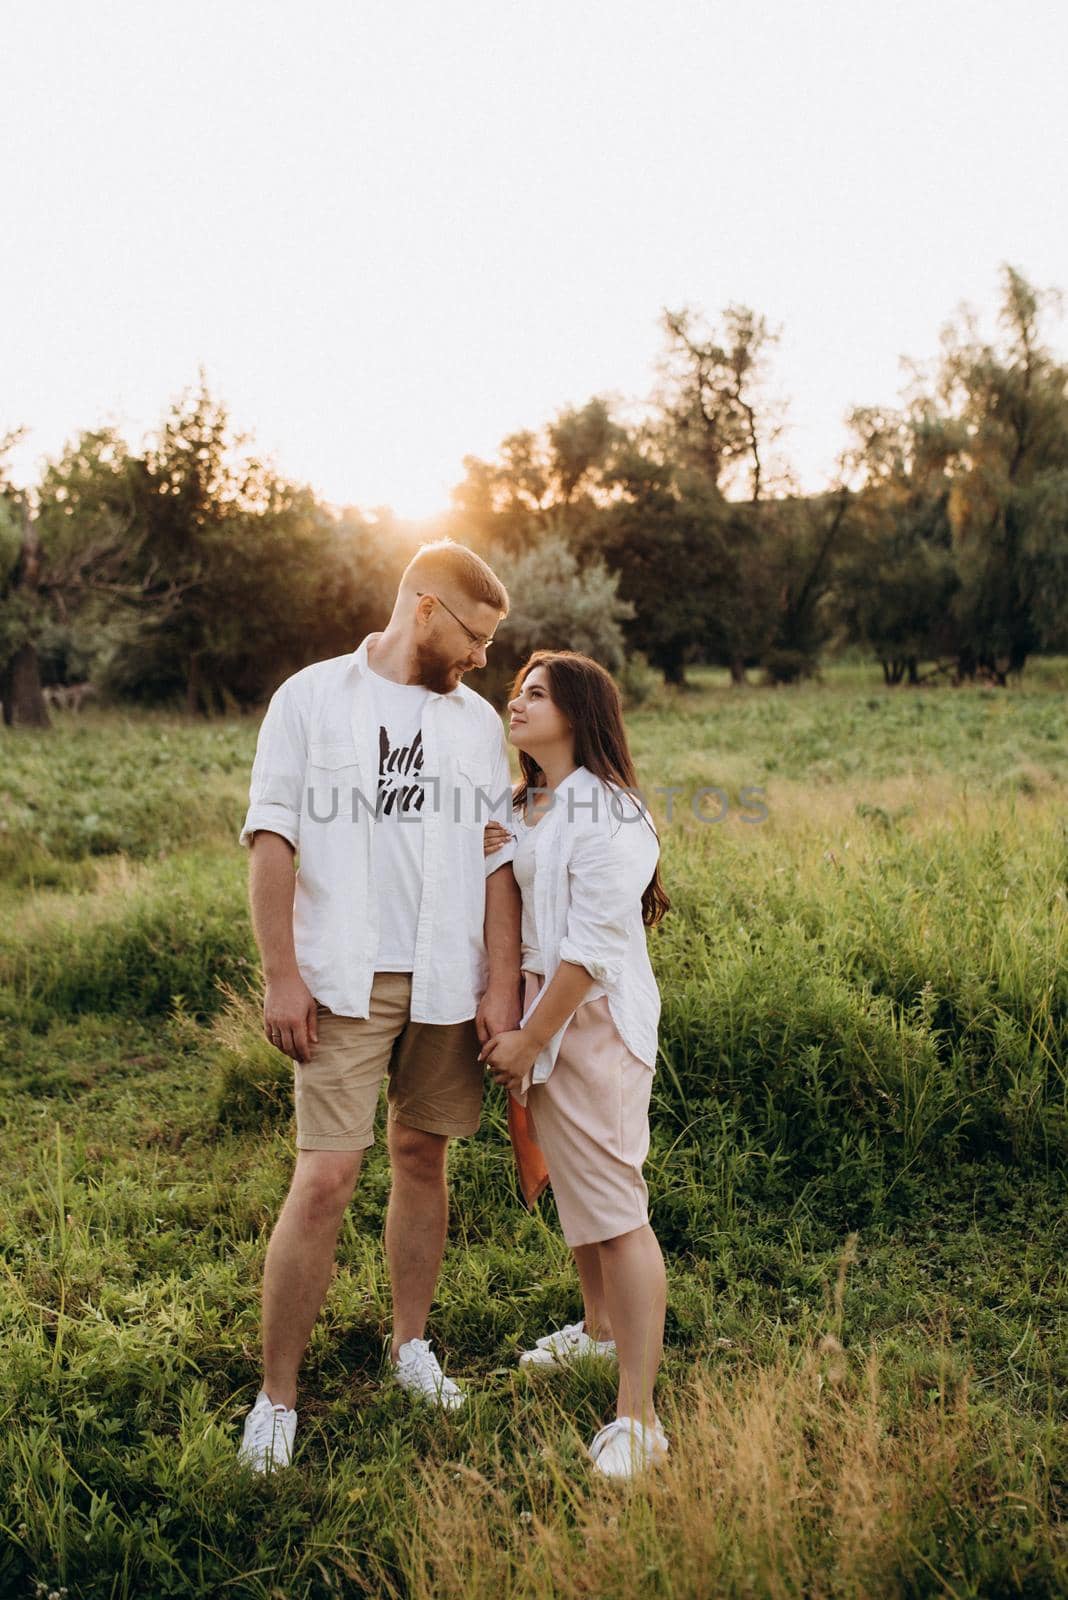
(624, 1293)
(300, 1256)
(597, 1322)
(415, 1226)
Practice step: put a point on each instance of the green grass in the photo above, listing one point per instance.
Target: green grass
(860, 1143)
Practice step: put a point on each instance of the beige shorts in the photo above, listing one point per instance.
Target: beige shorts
(591, 1119)
(435, 1076)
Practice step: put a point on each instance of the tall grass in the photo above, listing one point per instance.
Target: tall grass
(857, 1170)
(804, 1478)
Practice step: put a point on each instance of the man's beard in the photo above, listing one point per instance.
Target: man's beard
(433, 671)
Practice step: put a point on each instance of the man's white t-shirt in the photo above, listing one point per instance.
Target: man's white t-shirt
(397, 709)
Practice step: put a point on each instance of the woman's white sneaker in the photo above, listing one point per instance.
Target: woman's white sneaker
(267, 1444)
(625, 1448)
(418, 1370)
(569, 1343)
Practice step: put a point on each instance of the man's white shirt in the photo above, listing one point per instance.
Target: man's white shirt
(316, 781)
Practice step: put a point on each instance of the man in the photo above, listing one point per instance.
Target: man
(394, 949)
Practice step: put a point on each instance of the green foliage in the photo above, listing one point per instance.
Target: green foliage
(556, 605)
(140, 943)
(961, 530)
(865, 1026)
(193, 571)
(253, 1081)
(556, 477)
(10, 541)
(672, 559)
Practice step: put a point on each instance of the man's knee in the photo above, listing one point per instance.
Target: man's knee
(417, 1155)
(323, 1182)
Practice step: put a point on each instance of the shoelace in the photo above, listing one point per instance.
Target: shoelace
(422, 1359)
(570, 1333)
(638, 1435)
(263, 1426)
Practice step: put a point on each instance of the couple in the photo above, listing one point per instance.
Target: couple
(416, 941)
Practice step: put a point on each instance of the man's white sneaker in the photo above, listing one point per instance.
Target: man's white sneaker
(625, 1447)
(565, 1345)
(267, 1444)
(418, 1370)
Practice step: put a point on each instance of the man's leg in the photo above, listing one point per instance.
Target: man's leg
(416, 1223)
(300, 1258)
(435, 1083)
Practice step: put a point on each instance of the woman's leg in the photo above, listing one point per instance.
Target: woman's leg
(635, 1294)
(597, 1322)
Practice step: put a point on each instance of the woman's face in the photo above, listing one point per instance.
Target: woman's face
(536, 724)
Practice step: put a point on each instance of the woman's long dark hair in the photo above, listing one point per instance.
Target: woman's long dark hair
(589, 699)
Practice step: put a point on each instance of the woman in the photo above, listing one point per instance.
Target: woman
(582, 1059)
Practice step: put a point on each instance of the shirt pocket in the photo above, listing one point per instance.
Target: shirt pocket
(331, 756)
(332, 781)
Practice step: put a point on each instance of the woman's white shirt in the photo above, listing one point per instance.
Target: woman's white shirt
(594, 852)
(523, 868)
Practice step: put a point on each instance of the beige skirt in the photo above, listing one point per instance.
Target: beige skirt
(591, 1120)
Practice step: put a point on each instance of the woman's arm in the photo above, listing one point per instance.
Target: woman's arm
(510, 1056)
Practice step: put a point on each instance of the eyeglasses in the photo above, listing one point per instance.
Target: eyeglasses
(479, 640)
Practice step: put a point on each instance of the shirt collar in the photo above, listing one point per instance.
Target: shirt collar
(581, 778)
(359, 664)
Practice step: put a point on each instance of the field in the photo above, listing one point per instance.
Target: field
(858, 1171)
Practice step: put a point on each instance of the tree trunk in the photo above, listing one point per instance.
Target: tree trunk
(966, 665)
(20, 676)
(20, 688)
(737, 669)
(672, 663)
(192, 684)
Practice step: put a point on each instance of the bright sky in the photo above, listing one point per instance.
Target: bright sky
(394, 232)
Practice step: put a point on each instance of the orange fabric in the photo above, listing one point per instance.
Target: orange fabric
(530, 1163)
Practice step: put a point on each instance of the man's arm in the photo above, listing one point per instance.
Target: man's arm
(289, 1014)
(511, 1058)
(499, 1009)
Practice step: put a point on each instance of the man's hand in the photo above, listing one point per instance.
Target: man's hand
(510, 1057)
(499, 1010)
(289, 1017)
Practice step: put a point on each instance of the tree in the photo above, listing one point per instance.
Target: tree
(803, 537)
(242, 553)
(22, 613)
(666, 542)
(561, 475)
(896, 577)
(716, 400)
(1009, 509)
(721, 426)
(558, 605)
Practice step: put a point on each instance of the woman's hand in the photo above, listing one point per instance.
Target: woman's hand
(510, 1056)
(494, 838)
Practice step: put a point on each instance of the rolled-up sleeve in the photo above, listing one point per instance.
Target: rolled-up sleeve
(278, 771)
(607, 872)
(500, 786)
